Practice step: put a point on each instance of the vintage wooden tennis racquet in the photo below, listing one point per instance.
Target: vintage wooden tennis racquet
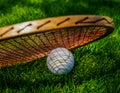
(28, 41)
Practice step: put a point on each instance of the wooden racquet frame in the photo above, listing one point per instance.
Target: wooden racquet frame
(30, 40)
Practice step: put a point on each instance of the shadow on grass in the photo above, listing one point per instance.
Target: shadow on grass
(55, 8)
(31, 76)
(35, 75)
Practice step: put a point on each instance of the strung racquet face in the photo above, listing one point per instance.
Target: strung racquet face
(28, 41)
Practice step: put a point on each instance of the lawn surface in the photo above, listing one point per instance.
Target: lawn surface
(97, 65)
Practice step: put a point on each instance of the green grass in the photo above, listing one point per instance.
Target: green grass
(97, 65)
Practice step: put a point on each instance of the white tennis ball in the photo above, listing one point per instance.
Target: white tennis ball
(60, 61)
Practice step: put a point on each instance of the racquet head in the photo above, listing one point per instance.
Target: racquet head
(24, 42)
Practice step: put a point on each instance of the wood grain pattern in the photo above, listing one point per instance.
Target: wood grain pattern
(54, 23)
